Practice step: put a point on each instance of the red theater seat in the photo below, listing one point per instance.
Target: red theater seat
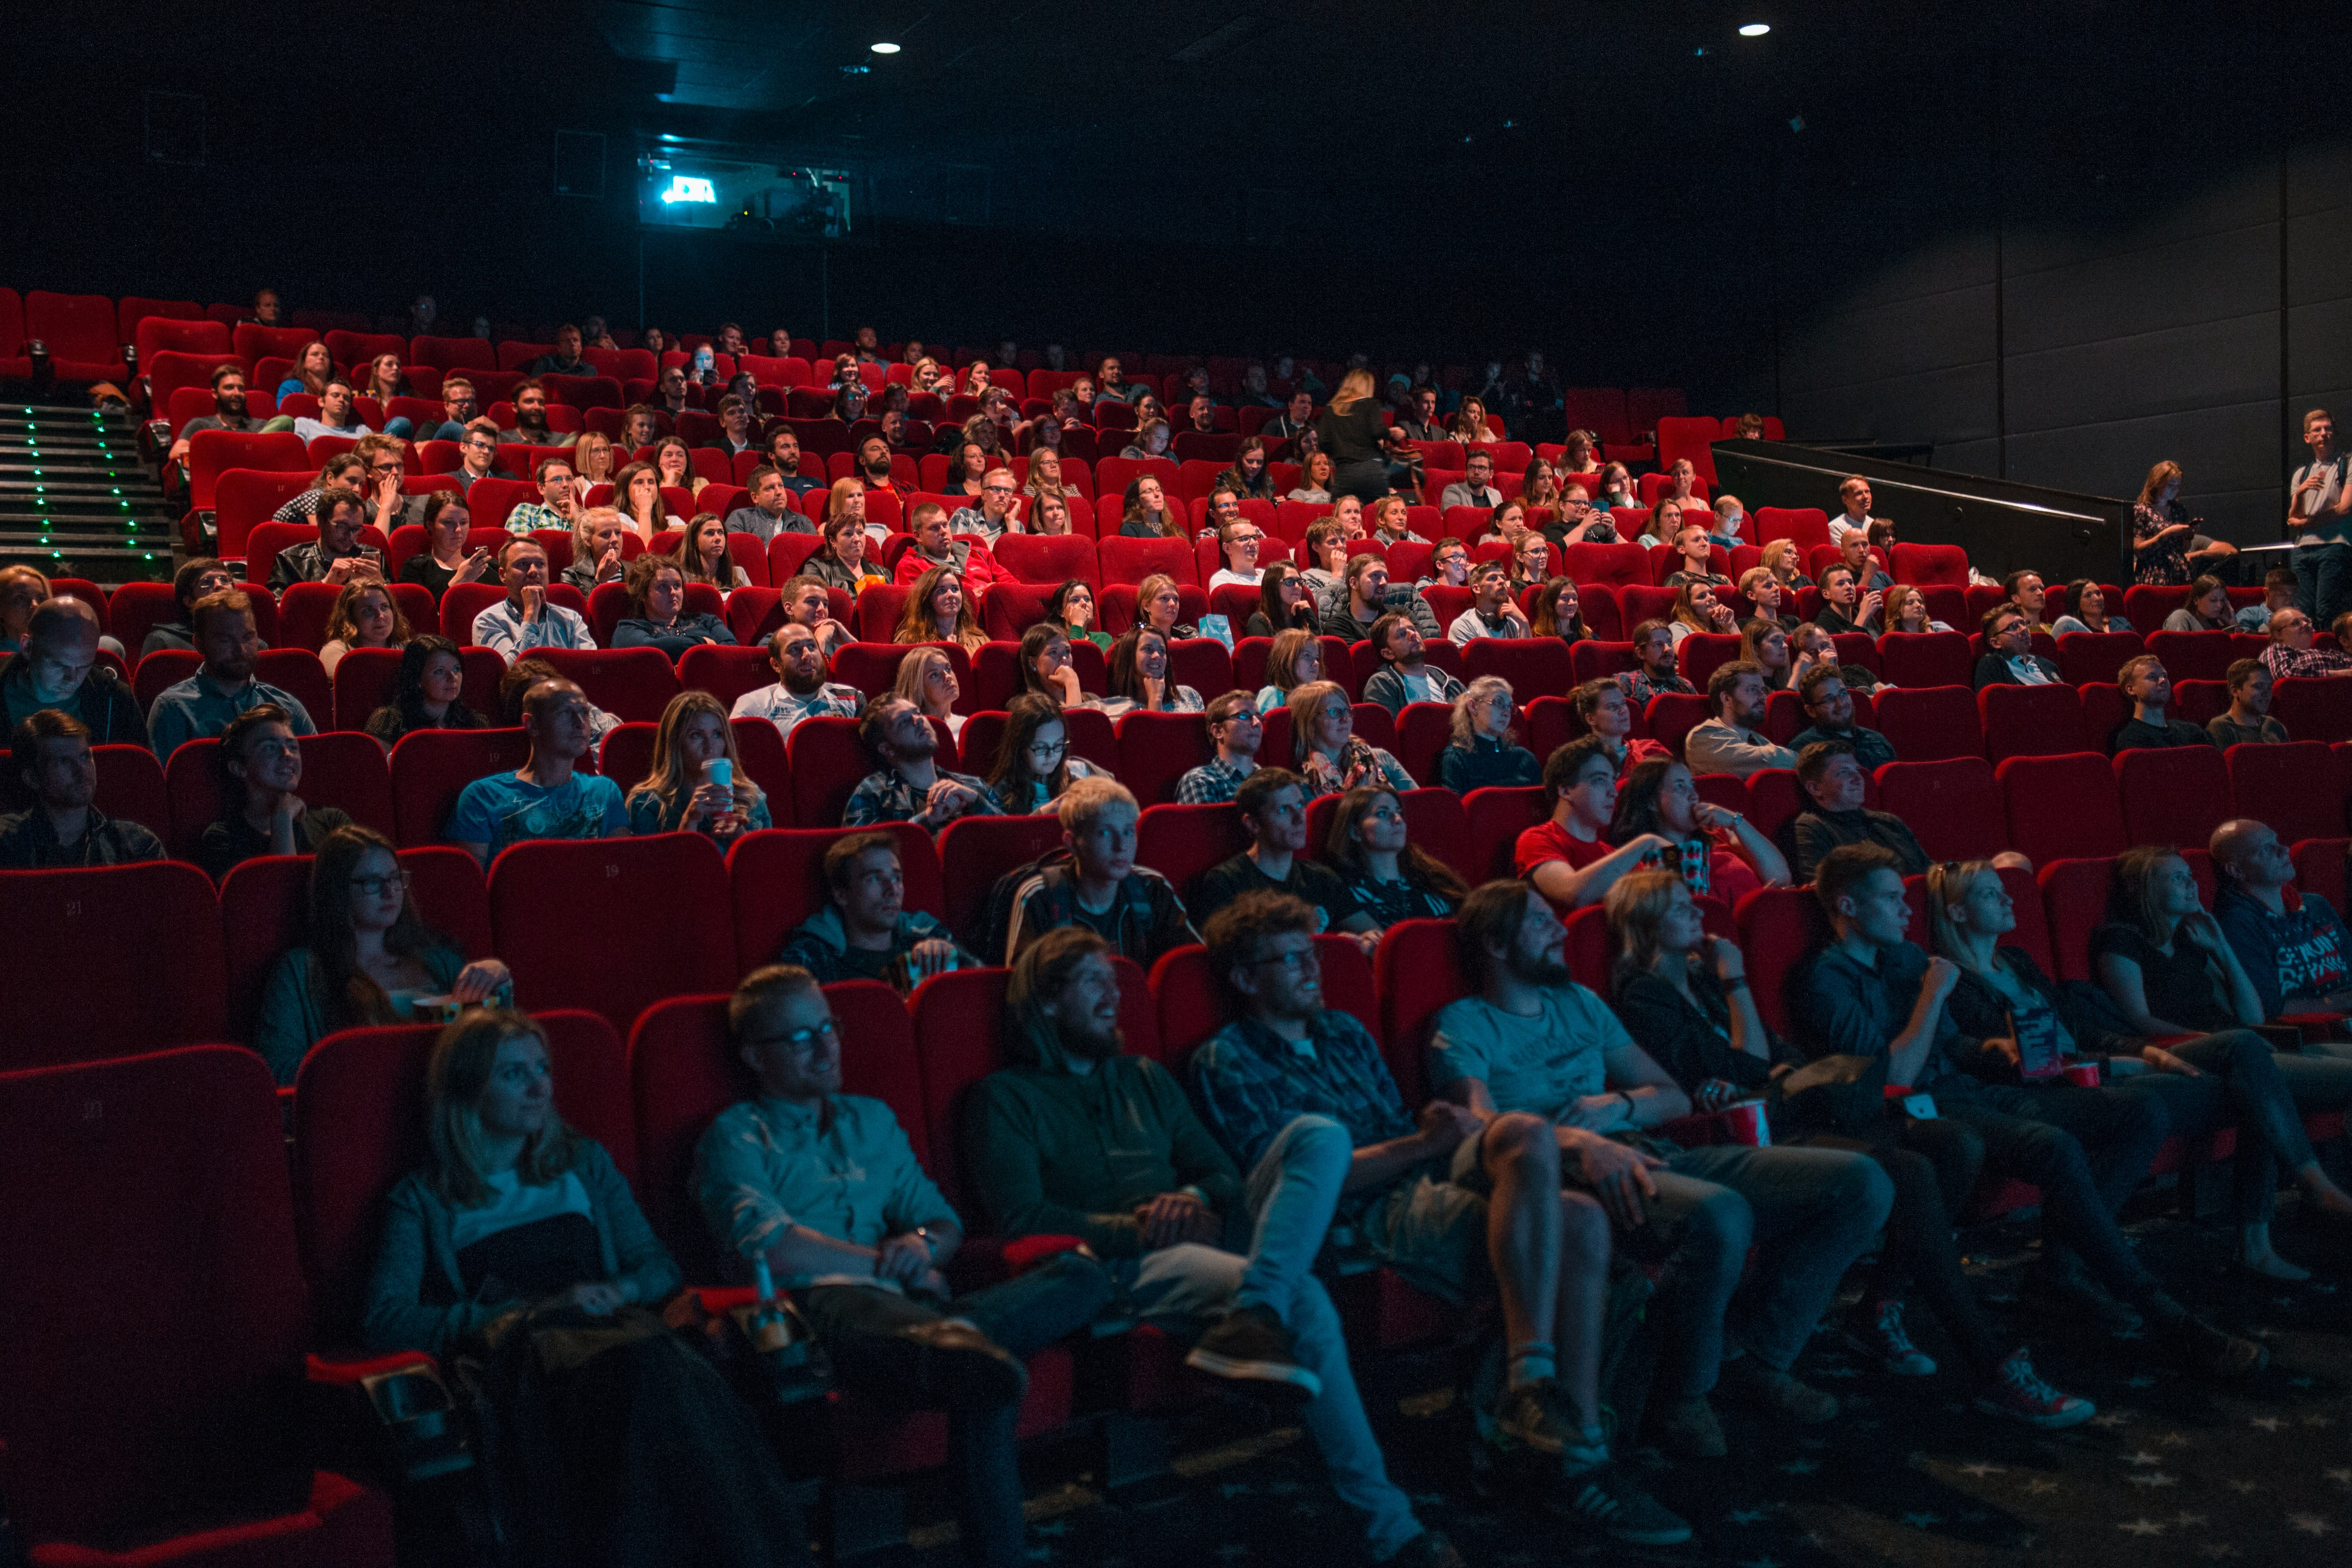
(1777, 927)
(1193, 1002)
(1493, 819)
(828, 761)
(2177, 794)
(339, 769)
(161, 985)
(778, 882)
(1911, 659)
(2061, 806)
(430, 768)
(1952, 806)
(2033, 721)
(150, 1383)
(570, 921)
(2274, 786)
(1180, 842)
(636, 683)
(2313, 708)
(1926, 724)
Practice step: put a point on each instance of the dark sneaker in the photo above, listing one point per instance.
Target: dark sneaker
(1429, 1549)
(1610, 1501)
(1687, 1429)
(2018, 1393)
(1532, 1417)
(953, 1364)
(1249, 1343)
(2061, 1280)
(1884, 1340)
(1775, 1392)
(2206, 1350)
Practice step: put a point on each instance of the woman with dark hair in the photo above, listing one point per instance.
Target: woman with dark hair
(2208, 609)
(1285, 602)
(658, 618)
(369, 957)
(1390, 876)
(1146, 513)
(1034, 765)
(425, 693)
(673, 462)
(444, 559)
(517, 1242)
(260, 760)
(1315, 478)
(1765, 645)
(968, 465)
(2161, 529)
(1722, 852)
(309, 373)
(695, 782)
(1046, 667)
(938, 610)
(1138, 677)
(841, 560)
(198, 577)
(366, 615)
(702, 555)
(1251, 481)
(1559, 613)
(1072, 609)
(2087, 610)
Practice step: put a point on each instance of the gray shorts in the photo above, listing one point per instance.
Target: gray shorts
(1432, 1228)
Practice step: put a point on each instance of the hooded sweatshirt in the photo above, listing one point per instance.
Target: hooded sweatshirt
(820, 944)
(1056, 1151)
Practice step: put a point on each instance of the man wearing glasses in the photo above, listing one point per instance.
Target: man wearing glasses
(993, 518)
(824, 1190)
(866, 931)
(386, 464)
(457, 411)
(1239, 539)
(477, 456)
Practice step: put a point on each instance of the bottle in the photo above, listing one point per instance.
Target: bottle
(769, 1330)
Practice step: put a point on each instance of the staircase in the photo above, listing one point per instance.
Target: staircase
(75, 499)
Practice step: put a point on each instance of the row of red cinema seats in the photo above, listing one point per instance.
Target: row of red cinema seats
(2053, 809)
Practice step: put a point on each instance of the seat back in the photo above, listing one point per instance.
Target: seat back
(1155, 750)
(1924, 659)
(2190, 656)
(2175, 794)
(569, 922)
(430, 768)
(160, 916)
(974, 852)
(2313, 708)
(155, 1312)
(2061, 806)
(1951, 807)
(2093, 658)
(1180, 842)
(1193, 1002)
(1926, 724)
(827, 762)
(339, 769)
(359, 1128)
(1777, 927)
(2273, 784)
(1416, 971)
(1493, 820)
(2033, 721)
(777, 879)
(636, 683)
(2074, 904)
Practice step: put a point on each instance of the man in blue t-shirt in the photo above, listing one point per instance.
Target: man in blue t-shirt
(546, 798)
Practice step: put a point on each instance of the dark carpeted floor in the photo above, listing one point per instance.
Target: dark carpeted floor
(2171, 1471)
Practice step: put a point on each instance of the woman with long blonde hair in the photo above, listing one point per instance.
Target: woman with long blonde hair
(679, 792)
(1350, 429)
(366, 614)
(926, 678)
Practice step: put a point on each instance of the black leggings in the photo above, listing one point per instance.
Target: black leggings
(1934, 1165)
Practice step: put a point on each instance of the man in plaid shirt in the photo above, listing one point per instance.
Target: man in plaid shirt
(1416, 1193)
(2292, 649)
(1233, 724)
(908, 786)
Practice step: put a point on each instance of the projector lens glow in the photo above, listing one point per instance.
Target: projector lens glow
(886, 48)
(1755, 30)
(686, 188)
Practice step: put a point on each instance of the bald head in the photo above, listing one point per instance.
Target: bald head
(63, 623)
(2250, 852)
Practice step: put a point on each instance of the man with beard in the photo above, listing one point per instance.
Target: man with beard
(801, 691)
(336, 556)
(565, 359)
(873, 466)
(223, 685)
(669, 390)
(784, 457)
(1733, 740)
(228, 411)
(531, 426)
(909, 786)
(1077, 1138)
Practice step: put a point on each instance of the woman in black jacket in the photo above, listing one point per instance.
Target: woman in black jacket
(1684, 996)
(1351, 431)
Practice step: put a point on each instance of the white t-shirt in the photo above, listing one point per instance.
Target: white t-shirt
(1226, 576)
(513, 1203)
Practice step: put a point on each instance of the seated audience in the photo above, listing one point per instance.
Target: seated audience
(514, 1215)
(547, 796)
(638, 496)
(1391, 878)
(2208, 609)
(1602, 708)
(1906, 610)
(926, 678)
(1046, 667)
(1327, 541)
(1286, 602)
(2292, 651)
(999, 512)
(1494, 613)
(2225, 1079)
(64, 827)
(1239, 540)
(1033, 765)
(1131, 908)
(1830, 706)
(425, 693)
(1685, 999)
(1732, 740)
(2248, 718)
(908, 785)
(1476, 486)
(1361, 600)
(1765, 645)
(366, 615)
(261, 762)
(1872, 993)
(770, 510)
(560, 492)
(800, 689)
(1295, 659)
(58, 667)
(933, 550)
(840, 561)
(223, 685)
(1236, 731)
(1568, 857)
(2149, 689)
(2291, 944)
(1485, 750)
(1072, 609)
(703, 556)
(1655, 669)
(228, 412)
(1138, 678)
(23, 590)
(1719, 850)
(2009, 658)
(1844, 607)
(1405, 676)
(1694, 558)
(526, 618)
(1784, 559)
(1159, 608)
(1559, 613)
(657, 596)
(1326, 750)
(2278, 594)
(598, 555)
(1854, 494)
(338, 556)
(1273, 807)
(1530, 562)
(446, 559)
(1145, 512)
(1529, 1039)
(1193, 1249)
(695, 782)
(865, 1260)
(2091, 612)
(1415, 1194)
(865, 932)
(197, 578)
(1834, 784)
(369, 957)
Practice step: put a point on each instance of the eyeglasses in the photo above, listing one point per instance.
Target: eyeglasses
(800, 1042)
(1048, 748)
(376, 887)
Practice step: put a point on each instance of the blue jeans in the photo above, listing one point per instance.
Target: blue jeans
(2262, 1093)
(2019, 1142)
(2323, 581)
(1808, 1211)
(1286, 1212)
(1023, 1315)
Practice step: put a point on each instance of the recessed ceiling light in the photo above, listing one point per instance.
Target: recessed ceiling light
(886, 48)
(1755, 30)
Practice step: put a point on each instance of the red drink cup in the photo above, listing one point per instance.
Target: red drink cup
(1747, 1124)
(2084, 1073)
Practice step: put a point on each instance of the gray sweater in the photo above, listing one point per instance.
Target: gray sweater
(415, 1299)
